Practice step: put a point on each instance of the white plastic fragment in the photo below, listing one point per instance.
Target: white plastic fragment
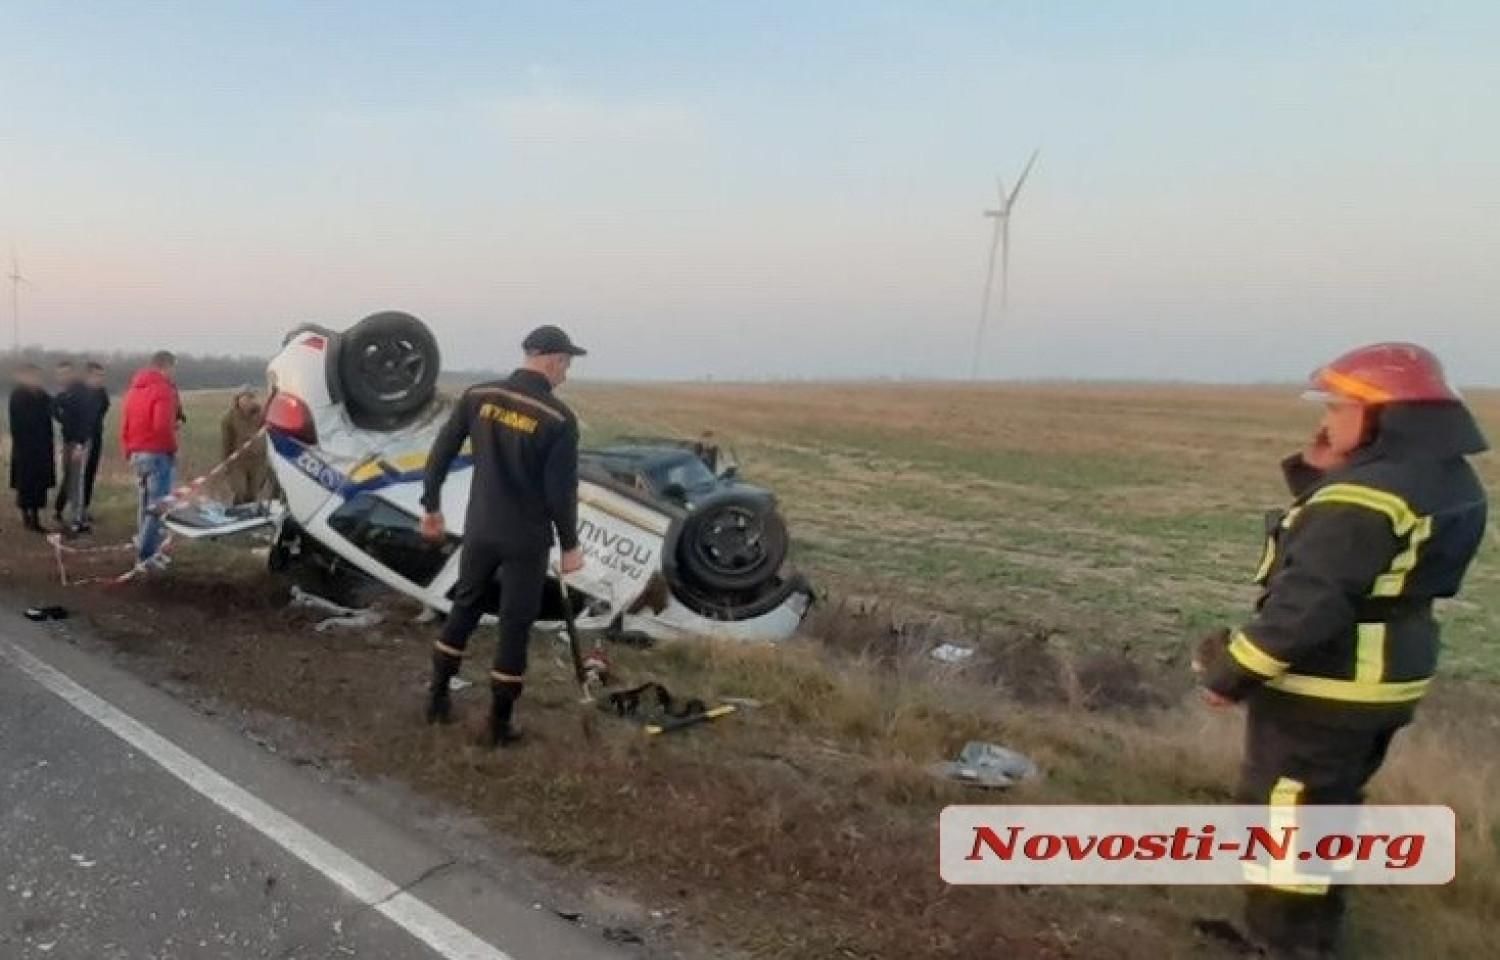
(951, 653)
(987, 765)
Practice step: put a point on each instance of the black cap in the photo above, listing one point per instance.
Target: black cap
(550, 339)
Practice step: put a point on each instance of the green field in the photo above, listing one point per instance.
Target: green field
(1126, 517)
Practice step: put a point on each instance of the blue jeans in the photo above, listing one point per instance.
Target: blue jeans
(153, 478)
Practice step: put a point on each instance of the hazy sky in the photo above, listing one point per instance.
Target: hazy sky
(763, 189)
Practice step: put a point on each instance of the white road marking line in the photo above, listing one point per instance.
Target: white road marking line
(370, 888)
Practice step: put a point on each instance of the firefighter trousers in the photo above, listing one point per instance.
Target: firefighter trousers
(1288, 761)
(521, 576)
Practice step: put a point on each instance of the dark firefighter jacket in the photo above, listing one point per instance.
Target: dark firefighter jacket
(1344, 630)
(525, 444)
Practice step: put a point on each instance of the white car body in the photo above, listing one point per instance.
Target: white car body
(625, 539)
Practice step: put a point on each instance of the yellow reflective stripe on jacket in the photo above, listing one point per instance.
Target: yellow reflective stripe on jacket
(1266, 561)
(1404, 521)
(1369, 653)
(1393, 582)
(1253, 658)
(1402, 518)
(1350, 691)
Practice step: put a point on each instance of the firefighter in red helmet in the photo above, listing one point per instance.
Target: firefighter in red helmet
(1386, 516)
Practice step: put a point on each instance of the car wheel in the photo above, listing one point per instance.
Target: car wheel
(732, 542)
(388, 366)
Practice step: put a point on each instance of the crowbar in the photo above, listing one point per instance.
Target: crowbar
(677, 723)
(574, 647)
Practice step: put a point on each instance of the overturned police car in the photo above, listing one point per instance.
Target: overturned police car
(675, 543)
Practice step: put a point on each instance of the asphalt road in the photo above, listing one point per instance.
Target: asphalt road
(131, 827)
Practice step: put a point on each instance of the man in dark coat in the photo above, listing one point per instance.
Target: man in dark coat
(100, 408)
(66, 386)
(78, 413)
(32, 471)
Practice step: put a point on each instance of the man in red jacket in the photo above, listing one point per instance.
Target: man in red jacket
(148, 430)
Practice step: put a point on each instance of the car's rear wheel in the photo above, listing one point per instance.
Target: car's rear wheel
(388, 366)
(732, 542)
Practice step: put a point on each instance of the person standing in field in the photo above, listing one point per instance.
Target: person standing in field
(148, 434)
(32, 464)
(1386, 517)
(99, 393)
(249, 475)
(524, 487)
(64, 380)
(78, 413)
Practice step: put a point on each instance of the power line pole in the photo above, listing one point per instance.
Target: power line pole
(15, 301)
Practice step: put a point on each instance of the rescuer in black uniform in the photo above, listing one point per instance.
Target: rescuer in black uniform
(1386, 517)
(525, 486)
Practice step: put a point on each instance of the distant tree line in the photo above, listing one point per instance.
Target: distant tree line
(193, 372)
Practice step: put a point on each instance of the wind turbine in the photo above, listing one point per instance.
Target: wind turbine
(999, 241)
(15, 300)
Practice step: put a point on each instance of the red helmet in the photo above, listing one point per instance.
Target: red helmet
(1385, 373)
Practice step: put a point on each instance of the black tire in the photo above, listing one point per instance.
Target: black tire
(388, 366)
(733, 542)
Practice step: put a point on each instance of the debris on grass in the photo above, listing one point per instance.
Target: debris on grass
(987, 765)
(352, 621)
(655, 706)
(951, 653)
(342, 617)
(43, 614)
(311, 601)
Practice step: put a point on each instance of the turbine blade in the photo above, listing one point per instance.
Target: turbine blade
(1022, 181)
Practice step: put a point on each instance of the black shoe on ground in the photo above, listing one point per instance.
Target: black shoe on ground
(504, 735)
(439, 705)
(502, 732)
(439, 688)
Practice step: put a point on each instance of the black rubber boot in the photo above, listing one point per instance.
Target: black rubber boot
(502, 731)
(439, 702)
